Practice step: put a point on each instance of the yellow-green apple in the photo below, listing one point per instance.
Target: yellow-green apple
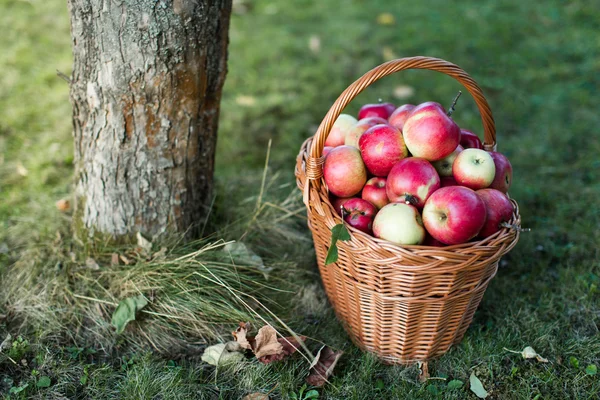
(474, 168)
(430, 133)
(326, 150)
(444, 166)
(499, 209)
(399, 223)
(374, 192)
(412, 180)
(454, 214)
(344, 171)
(381, 110)
(448, 181)
(361, 127)
(503, 177)
(399, 115)
(359, 214)
(469, 140)
(338, 202)
(381, 146)
(341, 126)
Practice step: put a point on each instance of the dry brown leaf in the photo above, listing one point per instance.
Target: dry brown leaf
(63, 205)
(114, 259)
(256, 396)
(240, 335)
(124, 259)
(529, 352)
(322, 366)
(290, 345)
(91, 264)
(144, 243)
(266, 342)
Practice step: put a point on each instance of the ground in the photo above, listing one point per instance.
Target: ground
(537, 63)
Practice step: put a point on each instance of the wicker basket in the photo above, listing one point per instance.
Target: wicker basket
(403, 303)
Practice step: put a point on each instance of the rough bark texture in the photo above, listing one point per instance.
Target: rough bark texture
(145, 90)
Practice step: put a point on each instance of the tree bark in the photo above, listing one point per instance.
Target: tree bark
(145, 89)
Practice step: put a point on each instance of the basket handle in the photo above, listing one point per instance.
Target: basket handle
(314, 163)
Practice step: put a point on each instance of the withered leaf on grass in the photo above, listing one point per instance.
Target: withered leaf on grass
(322, 366)
(241, 335)
(222, 353)
(266, 343)
(289, 344)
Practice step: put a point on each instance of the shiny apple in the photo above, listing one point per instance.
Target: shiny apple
(340, 128)
(381, 110)
(399, 115)
(412, 180)
(361, 127)
(344, 171)
(474, 168)
(338, 202)
(359, 214)
(469, 140)
(503, 177)
(399, 223)
(381, 146)
(499, 209)
(444, 166)
(374, 192)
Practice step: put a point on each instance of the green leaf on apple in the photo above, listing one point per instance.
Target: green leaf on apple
(338, 232)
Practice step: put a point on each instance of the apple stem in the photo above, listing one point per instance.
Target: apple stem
(514, 227)
(451, 109)
(410, 200)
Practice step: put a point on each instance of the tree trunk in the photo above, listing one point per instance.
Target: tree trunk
(145, 90)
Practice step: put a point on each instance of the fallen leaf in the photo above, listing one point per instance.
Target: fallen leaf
(222, 353)
(403, 91)
(322, 366)
(574, 362)
(144, 243)
(455, 384)
(63, 205)
(6, 343)
(477, 387)
(591, 370)
(289, 344)
(43, 382)
(91, 264)
(124, 259)
(21, 170)
(160, 254)
(338, 232)
(114, 259)
(126, 310)
(529, 352)
(245, 101)
(240, 335)
(242, 254)
(256, 396)
(386, 19)
(314, 44)
(266, 343)
(388, 53)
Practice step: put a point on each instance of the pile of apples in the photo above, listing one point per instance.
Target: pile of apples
(411, 176)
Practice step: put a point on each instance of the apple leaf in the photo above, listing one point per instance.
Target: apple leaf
(338, 232)
(223, 353)
(126, 310)
(455, 384)
(43, 382)
(477, 387)
(322, 366)
(591, 370)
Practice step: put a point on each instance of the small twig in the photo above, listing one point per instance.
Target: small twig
(514, 227)
(451, 109)
(63, 76)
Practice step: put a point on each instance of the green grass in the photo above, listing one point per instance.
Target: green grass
(537, 63)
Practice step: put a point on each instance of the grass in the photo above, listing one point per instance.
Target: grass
(537, 63)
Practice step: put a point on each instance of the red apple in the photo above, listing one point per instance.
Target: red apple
(430, 241)
(341, 126)
(429, 133)
(381, 110)
(503, 177)
(469, 140)
(399, 223)
(361, 127)
(498, 209)
(399, 115)
(448, 181)
(338, 202)
(412, 179)
(474, 168)
(326, 150)
(444, 166)
(454, 214)
(359, 214)
(381, 146)
(344, 171)
(374, 192)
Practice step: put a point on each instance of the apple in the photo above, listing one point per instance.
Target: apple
(341, 126)
(359, 214)
(326, 150)
(361, 127)
(454, 214)
(344, 171)
(430, 241)
(448, 181)
(469, 140)
(444, 166)
(381, 110)
(381, 146)
(399, 115)
(503, 177)
(374, 192)
(430, 133)
(412, 180)
(474, 168)
(498, 209)
(399, 223)
(338, 202)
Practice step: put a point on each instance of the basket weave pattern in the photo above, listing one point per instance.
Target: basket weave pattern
(403, 303)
